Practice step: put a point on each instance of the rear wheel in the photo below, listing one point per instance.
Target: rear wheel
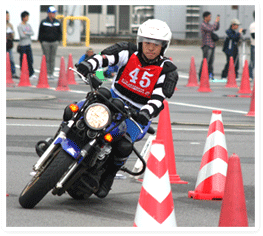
(40, 185)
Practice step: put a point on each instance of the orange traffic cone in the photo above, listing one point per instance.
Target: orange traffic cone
(204, 80)
(211, 178)
(42, 80)
(24, 77)
(164, 132)
(155, 206)
(245, 83)
(70, 73)
(252, 103)
(62, 80)
(231, 76)
(192, 81)
(9, 80)
(233, 209)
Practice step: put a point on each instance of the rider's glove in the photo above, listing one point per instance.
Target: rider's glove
(84, 68)
(143, 117)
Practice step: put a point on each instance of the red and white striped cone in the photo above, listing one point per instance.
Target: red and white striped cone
(211, 178)
(164, 133)
(155, 206)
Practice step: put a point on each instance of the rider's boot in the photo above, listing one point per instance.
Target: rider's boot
(120, 153)
(107, 178)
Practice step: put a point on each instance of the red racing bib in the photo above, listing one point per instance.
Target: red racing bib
(138, 79)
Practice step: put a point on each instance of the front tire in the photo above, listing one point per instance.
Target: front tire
(40, 185)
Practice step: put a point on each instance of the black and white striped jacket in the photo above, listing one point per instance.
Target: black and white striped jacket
(119, 54)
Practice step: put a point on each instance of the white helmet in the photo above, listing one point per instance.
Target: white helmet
(155, 31)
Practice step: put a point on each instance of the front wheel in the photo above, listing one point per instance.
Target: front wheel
(40, 185)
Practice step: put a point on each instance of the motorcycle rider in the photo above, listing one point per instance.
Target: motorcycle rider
(144, 79)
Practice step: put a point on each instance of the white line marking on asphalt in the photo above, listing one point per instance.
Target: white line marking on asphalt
(184, 104)
(206, 129)
(207, 107)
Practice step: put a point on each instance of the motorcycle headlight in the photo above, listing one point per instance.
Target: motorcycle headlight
(97, 116)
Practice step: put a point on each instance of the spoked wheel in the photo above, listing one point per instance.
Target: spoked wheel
(40, 185)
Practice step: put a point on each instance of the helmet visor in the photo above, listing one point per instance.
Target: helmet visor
(141, 39)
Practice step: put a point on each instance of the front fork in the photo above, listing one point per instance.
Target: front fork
(42, 160)
(60, 136)
(88, 151)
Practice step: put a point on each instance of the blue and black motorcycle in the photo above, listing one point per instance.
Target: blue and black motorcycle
(80, 152)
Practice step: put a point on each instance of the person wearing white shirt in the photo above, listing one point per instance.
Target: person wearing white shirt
(25, 32)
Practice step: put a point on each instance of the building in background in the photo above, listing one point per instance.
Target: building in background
(123, 20)
(185, 21)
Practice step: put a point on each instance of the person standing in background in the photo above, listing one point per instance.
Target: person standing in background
(230, 47)
(9, 44)
(208, 45)
(25, 32)
(89, 53)
(50, 34)
(252, 48)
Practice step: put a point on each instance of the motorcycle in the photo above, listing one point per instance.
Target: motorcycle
(75, 159)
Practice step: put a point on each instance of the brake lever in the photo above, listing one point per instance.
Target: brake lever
(81, 75)
(86, 80)
(135, 122)
(130, 114)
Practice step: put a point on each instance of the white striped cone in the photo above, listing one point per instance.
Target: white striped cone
(211, 178)
(155, 206)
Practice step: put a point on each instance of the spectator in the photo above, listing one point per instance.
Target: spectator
(9, 44)
(208, 45)
(252, 48)
(110, 72)
(230, 47)
(25, 32)
(89, 53)
(50, 34)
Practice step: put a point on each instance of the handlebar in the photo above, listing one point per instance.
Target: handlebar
(81, 75)
(136, 123)
(87, 80)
